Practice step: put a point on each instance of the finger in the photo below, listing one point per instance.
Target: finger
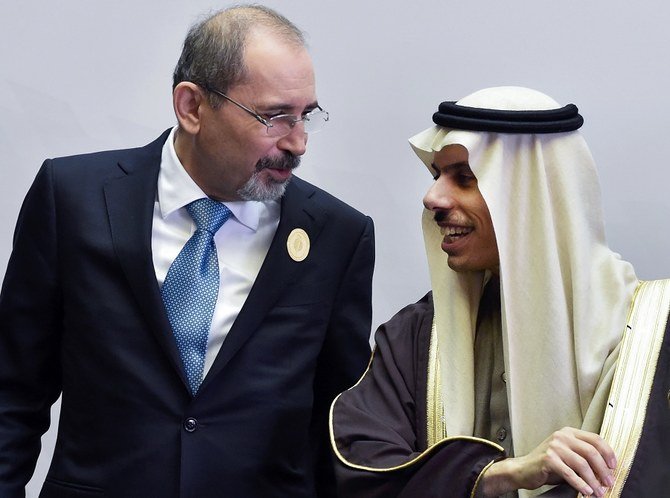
(561, 469)
(600, 444)
(587, 462)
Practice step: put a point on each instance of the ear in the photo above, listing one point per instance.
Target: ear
(188, 99)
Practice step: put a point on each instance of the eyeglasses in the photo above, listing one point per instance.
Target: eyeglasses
(281, 125)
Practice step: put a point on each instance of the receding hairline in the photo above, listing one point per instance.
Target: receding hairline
(214, 50)
(252, 18)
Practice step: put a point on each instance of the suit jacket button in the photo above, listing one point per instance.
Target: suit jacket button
(190, 424)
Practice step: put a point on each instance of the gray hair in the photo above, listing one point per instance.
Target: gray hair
(213, 53)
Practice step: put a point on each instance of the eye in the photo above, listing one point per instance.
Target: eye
(283, 120)
(463, 175)
(465, 178)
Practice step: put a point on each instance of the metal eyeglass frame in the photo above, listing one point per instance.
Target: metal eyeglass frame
(268, 121)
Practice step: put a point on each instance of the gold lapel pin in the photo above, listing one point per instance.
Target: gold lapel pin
(298, 244)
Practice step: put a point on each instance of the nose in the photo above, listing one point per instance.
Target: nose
(296, 141)
(440, 196)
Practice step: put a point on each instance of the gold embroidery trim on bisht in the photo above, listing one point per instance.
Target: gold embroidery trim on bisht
(473, 493)
(433, 372)
(634, 375)
(436, 428)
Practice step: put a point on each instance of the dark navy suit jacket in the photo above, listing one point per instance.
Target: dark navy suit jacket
(81, 315)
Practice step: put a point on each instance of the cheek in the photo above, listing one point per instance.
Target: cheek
(250, 153)
(493, 247)
(263, 148)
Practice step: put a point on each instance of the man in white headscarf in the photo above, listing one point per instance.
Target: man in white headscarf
(535, 338)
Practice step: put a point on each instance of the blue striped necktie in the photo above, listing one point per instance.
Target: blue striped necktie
(191, 288)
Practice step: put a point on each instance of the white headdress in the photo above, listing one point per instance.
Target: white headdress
(564, 293)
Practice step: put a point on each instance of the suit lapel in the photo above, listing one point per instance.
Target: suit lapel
(298, 210)
(130, 204)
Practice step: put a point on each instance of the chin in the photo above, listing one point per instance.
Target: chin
(262, 189)
(463, 266)
(454, 265)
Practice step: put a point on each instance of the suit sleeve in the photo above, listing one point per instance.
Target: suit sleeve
(346, 349)
(30, 329)
(378, 427)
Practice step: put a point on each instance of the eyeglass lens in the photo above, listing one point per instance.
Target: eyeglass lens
(313, 122)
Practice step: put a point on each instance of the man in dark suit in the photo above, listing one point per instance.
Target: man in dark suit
(101, 290)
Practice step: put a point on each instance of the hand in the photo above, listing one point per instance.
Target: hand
(580, 458)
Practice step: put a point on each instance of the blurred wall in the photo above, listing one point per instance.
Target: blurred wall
(80, 76)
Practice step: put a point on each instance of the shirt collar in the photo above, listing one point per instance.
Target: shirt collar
(176, 189)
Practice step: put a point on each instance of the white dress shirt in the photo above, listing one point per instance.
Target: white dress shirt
(241, 243)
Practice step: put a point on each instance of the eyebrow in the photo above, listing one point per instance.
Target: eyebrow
(457, 165)
(284, 106)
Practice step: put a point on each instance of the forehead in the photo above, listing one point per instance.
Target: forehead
(278, 71)
(451, 155)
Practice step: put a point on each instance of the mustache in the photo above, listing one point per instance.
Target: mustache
(285, 161)
(441, 216)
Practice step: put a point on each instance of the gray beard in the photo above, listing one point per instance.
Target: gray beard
(257, 189)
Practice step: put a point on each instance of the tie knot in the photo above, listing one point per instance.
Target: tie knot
(208, 214)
